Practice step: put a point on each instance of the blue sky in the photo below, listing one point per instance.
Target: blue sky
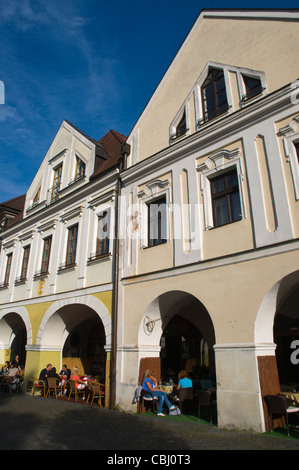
(92, 62)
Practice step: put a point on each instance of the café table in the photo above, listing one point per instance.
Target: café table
(167, 388)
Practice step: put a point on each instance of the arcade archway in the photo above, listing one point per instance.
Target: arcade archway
(15, 334)
(178, 328)
(81, 330)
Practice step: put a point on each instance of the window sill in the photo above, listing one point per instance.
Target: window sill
(66, 268)
(203, 122)
(20, 281)
(93, 259)
(208, 228)
(40, 274)
(147, 247)
(4, 286)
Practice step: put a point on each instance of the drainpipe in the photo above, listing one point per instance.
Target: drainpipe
(125, 150)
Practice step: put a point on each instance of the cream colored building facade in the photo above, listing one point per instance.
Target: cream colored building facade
(226, 110)
(207, 233)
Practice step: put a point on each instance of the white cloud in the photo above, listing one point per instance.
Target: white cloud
(9, 112)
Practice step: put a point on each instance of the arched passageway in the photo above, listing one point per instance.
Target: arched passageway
(77, 332)
(15, 334)
(277, 327)
(286, 336)
(177, 327)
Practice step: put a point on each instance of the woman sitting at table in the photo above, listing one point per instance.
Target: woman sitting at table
(53, 374)
(79, 383)
(184, 381)
(149, 384)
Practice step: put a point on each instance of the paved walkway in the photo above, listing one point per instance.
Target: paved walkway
(47, 424)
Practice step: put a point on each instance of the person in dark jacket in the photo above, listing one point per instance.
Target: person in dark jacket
(44, 374)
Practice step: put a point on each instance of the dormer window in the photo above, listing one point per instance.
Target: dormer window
(213, 92)
(80, 169)
(253, 87)
(181, 127)
(178, 127)
(56, 183)
(36, 197)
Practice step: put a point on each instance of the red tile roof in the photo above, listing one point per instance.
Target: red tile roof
(15, 207)
(112, 143)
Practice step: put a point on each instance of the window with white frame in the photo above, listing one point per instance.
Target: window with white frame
(154, 213)
(213, 93)
(156, 219)
(71, 249)
(7, 270)
(25, 262)
(103, 228)
(252, 85)
(225, 197)
(179, 127)
(56, 183)
(46, 255)
(291, 144)
(80, 169)
(222, 189)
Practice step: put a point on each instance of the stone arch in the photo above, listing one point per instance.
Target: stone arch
(52, 323)
(22, 312)
(161, 311)
(263, 331)
(164, 307)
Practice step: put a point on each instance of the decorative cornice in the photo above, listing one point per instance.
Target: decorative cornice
(72, 213)
(102, 198)
(48, 225)
(152, 187)
(218, 159)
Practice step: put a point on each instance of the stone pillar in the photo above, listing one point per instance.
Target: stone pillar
(239, 399)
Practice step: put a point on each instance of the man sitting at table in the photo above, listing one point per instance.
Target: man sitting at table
(43, 376)
(65, 371)
(149, 384)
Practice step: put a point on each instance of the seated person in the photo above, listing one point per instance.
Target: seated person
(43, 376)
(5, 368)
(79, 383)
(13, 371)
(184, 381)
(149, 384)
(53, 374)
(66, 372)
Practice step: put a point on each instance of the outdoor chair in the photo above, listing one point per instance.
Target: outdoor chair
(205, 399)
(277, 408)
(38, 385)
(185, 395)
(147, 398)
(54, 385)
(97, 391)
(73, 390)
(205, 384)
(6, 384)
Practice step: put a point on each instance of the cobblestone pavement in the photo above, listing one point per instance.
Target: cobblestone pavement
(47, 424)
